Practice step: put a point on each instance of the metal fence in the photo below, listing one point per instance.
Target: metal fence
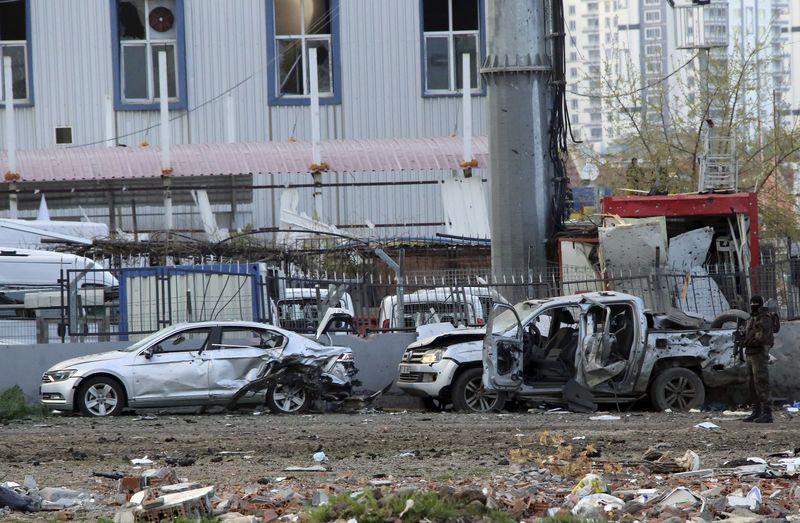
(152, 298)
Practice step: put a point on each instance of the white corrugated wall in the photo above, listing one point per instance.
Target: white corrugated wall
(226, 44)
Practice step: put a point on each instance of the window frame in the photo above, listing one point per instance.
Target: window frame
(652, 29)
(180, 63)
(71, 135)
(651, 12)
(203, 348)
(480, 89)
(29, 101)
(221, 345)
(274, 98)
(656, 49)
(653, 67)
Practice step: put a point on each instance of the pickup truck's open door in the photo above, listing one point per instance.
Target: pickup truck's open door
(592, 361)
(503, 351)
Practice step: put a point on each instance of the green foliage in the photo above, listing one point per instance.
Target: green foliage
(369, 508)
(12, 405)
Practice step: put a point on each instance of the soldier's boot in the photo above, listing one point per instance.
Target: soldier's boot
(766, 414)
(754, 415)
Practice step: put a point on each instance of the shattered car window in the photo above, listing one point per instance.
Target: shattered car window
(242, 337)
(416, 314)
(505, 322)
(185, 341)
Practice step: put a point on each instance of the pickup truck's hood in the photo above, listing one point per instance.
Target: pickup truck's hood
(454, 336)
(91, 358)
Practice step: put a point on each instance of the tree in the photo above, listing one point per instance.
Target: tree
(662, 123)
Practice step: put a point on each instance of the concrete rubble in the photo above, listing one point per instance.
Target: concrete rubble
(579, 468)
(544, 476)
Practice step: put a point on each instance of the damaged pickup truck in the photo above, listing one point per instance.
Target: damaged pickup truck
(575, 351)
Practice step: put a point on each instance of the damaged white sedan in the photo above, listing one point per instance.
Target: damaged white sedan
(197, 364)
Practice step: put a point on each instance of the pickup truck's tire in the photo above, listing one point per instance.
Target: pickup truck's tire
(729, 316)
(469, 395)
(677, 389)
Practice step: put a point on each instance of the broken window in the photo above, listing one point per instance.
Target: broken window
(145, 28)
(301, 25)
(185, 341)
(451, 28)
(238, 337)
(14, 44)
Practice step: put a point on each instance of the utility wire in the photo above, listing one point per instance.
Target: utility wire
(640, 89)
(574, 42)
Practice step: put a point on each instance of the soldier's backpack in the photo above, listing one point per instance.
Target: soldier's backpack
(776, 322)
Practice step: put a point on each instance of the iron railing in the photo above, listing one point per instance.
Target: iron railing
(153, 298)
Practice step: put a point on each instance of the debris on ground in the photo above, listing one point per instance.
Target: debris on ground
(516, 473)
(16, 501)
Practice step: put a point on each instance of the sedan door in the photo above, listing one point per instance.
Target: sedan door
(173, 371)
(238, 357)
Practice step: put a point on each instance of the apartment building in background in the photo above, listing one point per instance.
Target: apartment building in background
(633, 44)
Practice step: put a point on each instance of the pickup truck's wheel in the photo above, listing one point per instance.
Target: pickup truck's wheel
(288, 398)
(470, 396)
(678, 389)
(733, 316)
(101, 396)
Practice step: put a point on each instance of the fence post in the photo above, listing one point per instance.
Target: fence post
(62, 326)
(76, 306)
(42, 331)
(105, 326)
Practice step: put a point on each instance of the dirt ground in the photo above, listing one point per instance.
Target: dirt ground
(445, 448)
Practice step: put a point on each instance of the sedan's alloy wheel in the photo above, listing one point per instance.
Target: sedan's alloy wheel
(289, 398)
(101, 399)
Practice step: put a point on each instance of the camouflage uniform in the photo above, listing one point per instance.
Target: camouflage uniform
(758, 338)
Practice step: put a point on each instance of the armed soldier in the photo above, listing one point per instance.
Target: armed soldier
(757, 339)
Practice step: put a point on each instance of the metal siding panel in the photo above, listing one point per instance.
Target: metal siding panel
(295, 122)
(226, 43)
(381, 82)
(382, 67)
(71, 73)
(355, 205)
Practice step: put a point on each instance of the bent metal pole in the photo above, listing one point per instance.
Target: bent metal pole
(11, 137)
(166, 166)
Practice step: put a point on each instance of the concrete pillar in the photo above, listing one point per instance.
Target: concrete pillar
(521, 173)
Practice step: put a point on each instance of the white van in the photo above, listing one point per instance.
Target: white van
(428, 306)
(23, 269)
(298, 308)
(486, 295)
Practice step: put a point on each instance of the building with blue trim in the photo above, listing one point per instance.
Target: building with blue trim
(85, 76)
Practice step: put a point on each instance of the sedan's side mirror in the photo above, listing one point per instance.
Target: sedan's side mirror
(148, 353)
